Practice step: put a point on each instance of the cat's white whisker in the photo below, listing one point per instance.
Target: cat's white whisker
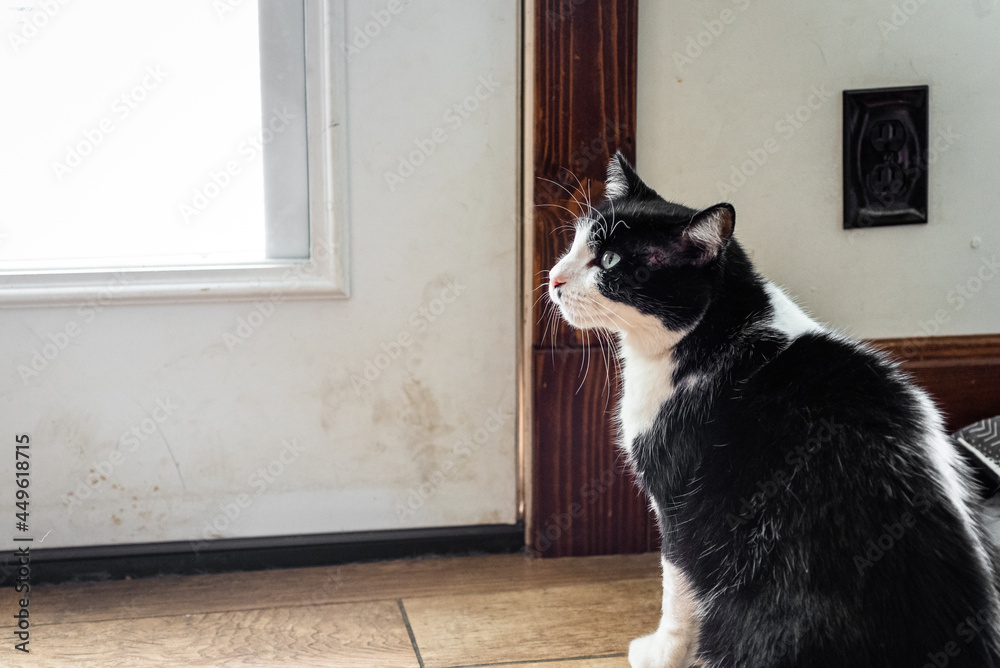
(571, 194)
(609, 354)
(564, 208)
(611, 313)
(540, 297)
(585, 356)
(584, 193)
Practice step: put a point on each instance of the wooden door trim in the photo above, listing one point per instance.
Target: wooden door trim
(581, 97)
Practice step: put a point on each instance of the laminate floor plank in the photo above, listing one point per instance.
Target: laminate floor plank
(533, 625)
(348, 635)
(391, 580)
(505, 610)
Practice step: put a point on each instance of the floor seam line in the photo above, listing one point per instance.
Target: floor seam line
(409, 630)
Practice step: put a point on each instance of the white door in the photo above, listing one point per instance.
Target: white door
(392, 407)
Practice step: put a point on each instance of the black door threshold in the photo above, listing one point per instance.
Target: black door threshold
(115, 562)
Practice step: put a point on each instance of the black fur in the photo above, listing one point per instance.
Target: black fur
(791, 478)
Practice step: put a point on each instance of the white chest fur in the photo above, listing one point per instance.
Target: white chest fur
(648, 384)
(648, 366)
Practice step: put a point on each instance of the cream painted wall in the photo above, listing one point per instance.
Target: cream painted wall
(152, 425)
(718, 81)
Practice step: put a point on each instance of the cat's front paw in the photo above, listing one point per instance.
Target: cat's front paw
(660, 650)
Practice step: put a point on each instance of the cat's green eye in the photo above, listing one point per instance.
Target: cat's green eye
(610, 259)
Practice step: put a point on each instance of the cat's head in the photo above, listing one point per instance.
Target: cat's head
(641, 265)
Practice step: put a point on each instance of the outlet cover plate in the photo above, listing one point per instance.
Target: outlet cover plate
(885, 156)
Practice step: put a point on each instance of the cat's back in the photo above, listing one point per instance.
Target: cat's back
(825, 374)
(829, 421)
(833, 472)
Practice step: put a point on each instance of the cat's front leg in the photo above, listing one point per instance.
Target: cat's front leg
(674, 644)
(659, 650)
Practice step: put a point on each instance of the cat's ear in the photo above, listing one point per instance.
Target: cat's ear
(622, 180)
(710, 230)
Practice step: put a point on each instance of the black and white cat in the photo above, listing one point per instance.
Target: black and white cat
(814, 513)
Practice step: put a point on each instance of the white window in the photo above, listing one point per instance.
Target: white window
(173, 150)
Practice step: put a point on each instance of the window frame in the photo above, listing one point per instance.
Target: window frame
(324, 274)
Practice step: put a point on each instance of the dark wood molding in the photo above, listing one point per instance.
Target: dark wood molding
(962, 373)
(583, 501)
(586, 501)
(585, 99)
(953, 349)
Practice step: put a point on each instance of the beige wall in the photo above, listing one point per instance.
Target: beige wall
(723, 81)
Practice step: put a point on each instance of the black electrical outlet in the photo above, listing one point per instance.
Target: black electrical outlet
(885, 156)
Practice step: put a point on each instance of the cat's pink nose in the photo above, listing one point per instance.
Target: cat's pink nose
(556, 280)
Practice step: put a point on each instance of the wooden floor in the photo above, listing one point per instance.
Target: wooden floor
(507, 610)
